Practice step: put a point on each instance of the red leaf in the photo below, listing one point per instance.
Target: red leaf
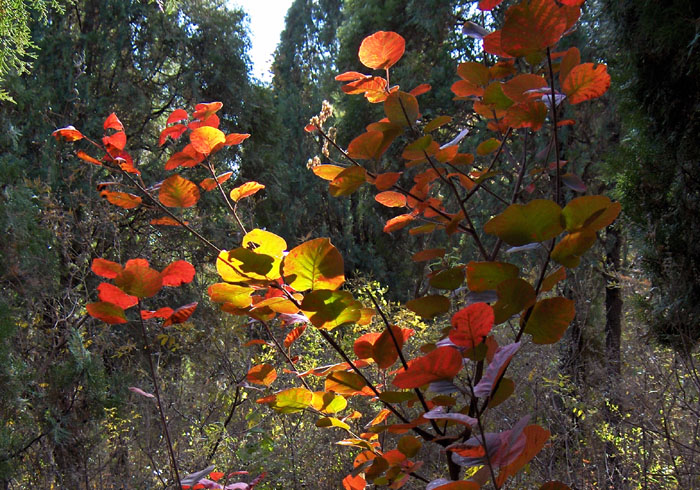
(209, 184)
(69, 133)
(178, 273)
(117, 141)
(165, 221)
(212, 121)
(442, 363)
(164, 313)
(385, 181)
(235, 138)
(176, 116)
(488, 4)
(173, 132)
(471, 325)
(262, 374)
(381, 50)
(177, 192)
(181, 314)
(107, 312)
(113, 122)
(112, 294)
(420, 89)
(106, 268)
(586, 81)
(84, 156)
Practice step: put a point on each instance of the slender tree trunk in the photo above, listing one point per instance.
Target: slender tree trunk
(613, 334)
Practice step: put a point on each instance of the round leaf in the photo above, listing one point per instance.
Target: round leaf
(381, 50)
(519, 224)
(177, 192)
(549, 319)
(315, 264)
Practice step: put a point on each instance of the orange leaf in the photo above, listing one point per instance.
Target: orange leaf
(204, 110)
(121, 199)
(177, 192)
(421, 89)
(262, 374)
(293, 335)
(107, 312)
(586, 81)
(381, 50)
(211, 121)
(163, 313)
(235, 138)
(571, 58)
(188, 157)
(178, 273)
(367, 146)
(209, 183)
(84, 156)
(488, 4)
(532, 26)
(246, 190)
(391, 199)
(398, 222)
(387, 180)
(113, 122)
(517, 87)
(350, 76)
(471, 325)
(347, 181)
(69, 133)
(165, 221)
(327, 172)
(205, 139)
(442, 363)
(138, 279)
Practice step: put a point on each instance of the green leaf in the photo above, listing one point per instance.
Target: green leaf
(488, 146)
(485, 276)
(519, 224)
(327, 402)
(592, 212)
(451, 278)
(409, 446)
(514, 295)
(569, 250)
(429, 306)
(401, 108)
(328, 309)
(289, 401)
(331, 422)
(315, 264)
(549, 319)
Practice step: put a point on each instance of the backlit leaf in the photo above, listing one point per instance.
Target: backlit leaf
(549, 319)
(529, 114)
(139, 280)
(329, 309)
(586, 81)
(327, 172)
(532, 26)
(122, 199)
(367, 146)
(188, 157)
(569, 250)
(166, 221)
(107, 312)
(486, 276)
(262, 374)
(181, 314)
(347, 181)
(519, 224)
(259, 258)
(205, 138)
(209, 184)
(246, 190)
(178, 273)
(293, 335)
(592, 212)
(178, 192)
(517, 87)
(85, 157)
(346, 383)
(112, 294)
(391, 199)
(106, 268)
(471, 325)
(162, 313)
(429, 307)
(173, 132)
(315, 264)
(401, 108)
(235, 138)
(205, 110)
(571, 58)
(176, 116)
(289, 401)
(381, 50)
(487, 5)
(331, 422)
(398, 222)
(69, 133)
(385, 181)
(442, 363)
(115, 142)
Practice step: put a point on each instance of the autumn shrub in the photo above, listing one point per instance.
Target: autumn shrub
(502, 226)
